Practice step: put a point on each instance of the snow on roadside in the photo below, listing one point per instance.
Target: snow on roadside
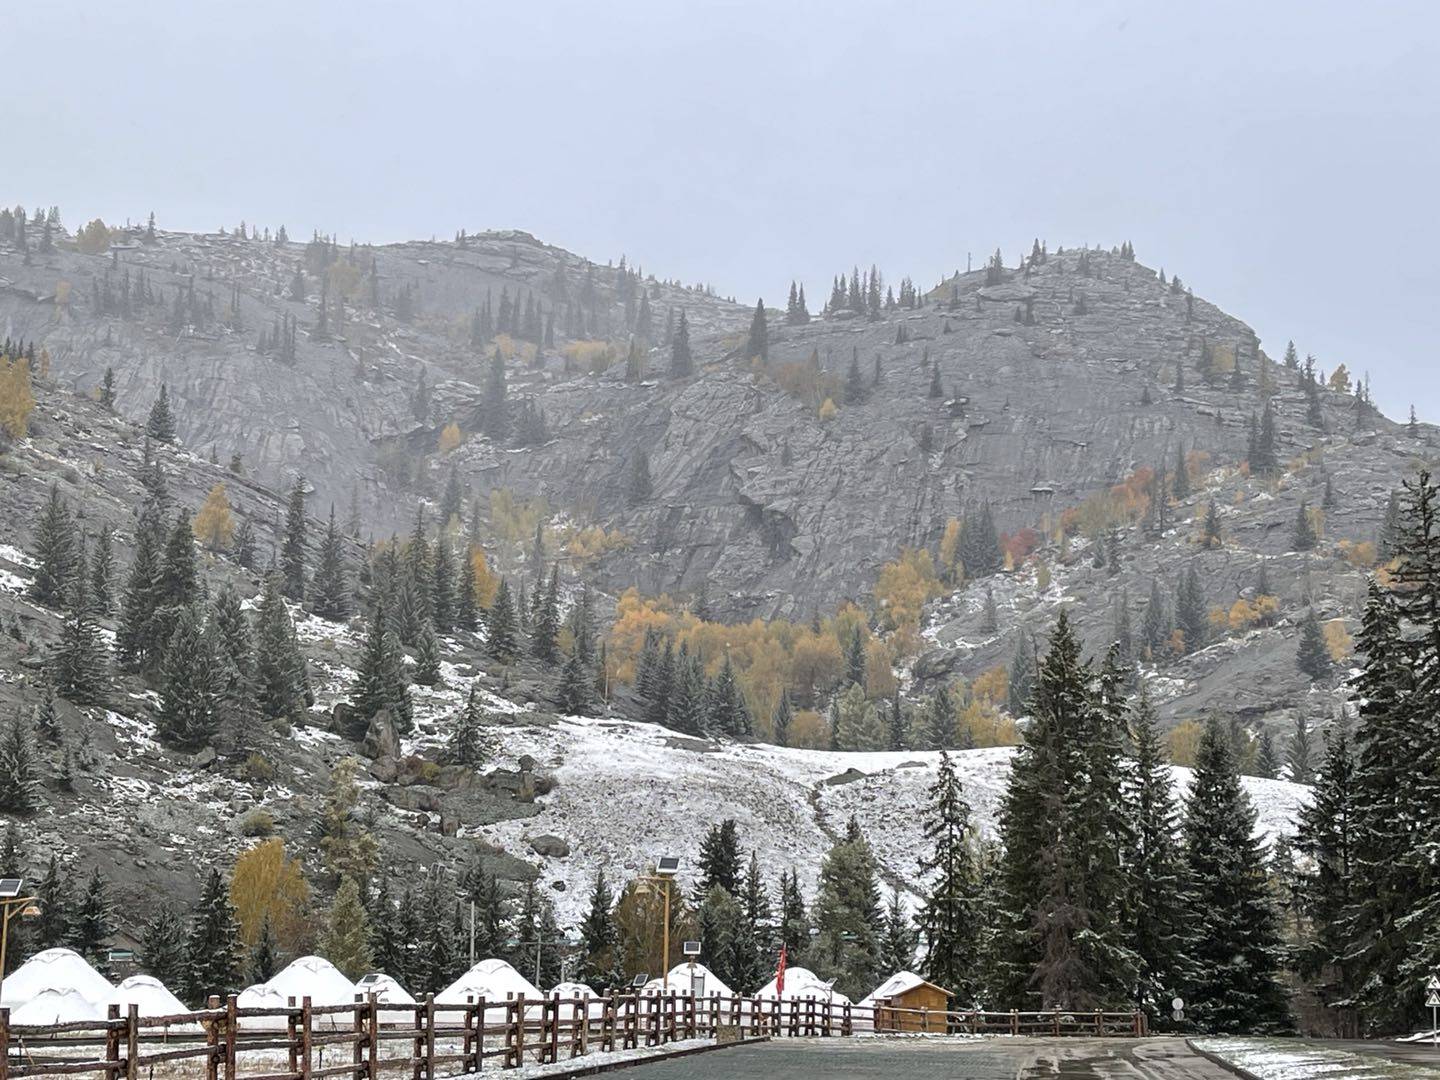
(1291, 1059)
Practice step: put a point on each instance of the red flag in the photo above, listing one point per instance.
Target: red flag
(780, 973)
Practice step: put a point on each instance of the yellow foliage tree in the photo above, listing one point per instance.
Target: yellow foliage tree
(905, 585)
(267, 883)
(214, 526)
(486, 580)
(1184, 741)
(449, 437)
(16, 400)
(93, 238)
(1337, 639)
(828, 410)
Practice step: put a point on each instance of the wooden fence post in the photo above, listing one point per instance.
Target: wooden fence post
(307, 1039)
(480, 1034)
(231, 1023)
(1014, 1022)
(132, 1042)
(519, 1029)
(430, 1036)
(292, 1035)
(4, 1043)
(112, 1042)
(846, 1027)
(372, 1049)
(1057, 1023)
(212, 1038)
(358, 1027)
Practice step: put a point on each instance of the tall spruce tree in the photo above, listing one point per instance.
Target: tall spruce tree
(54, 551)
(292, 548)
(947, 915)
(281, 679)
(160, 424)
(330, 589)
(213, 951)
(1234, 948)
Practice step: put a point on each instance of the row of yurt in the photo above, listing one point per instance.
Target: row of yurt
(495, 981)
(689, 979)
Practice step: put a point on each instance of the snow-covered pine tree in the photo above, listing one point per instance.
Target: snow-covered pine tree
(545, 626)
(212, 949)
(330, 588)
(280, 677)
(190, 697)
(19, 777)
(502, 630)
(576, 690)
(162, 946)
(1156, 887)
(53, 549)
(947, 915)
(292, 547)
(597, 933)
(78, 668)
(1234, 951)
(1326, 838)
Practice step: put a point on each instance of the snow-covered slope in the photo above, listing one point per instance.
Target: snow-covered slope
(630, 792)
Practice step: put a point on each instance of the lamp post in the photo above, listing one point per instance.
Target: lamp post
(665, 869)
(12, 904)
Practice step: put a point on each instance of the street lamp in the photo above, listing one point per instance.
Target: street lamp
(666, 867)
(12, 904)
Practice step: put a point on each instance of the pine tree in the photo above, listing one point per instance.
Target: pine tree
(1234, 948)
(1180, 485)
(345, 940)
(212, 950)
(1386, 804)
(598, 936)
(292, 549)
(494, 406)
(781, 720)
(1212, 526)
(102, 574)
(190, 699)
(57, 907)
(1312, 655)
(502, 629)
(19, 782)
(576, 691)
(467, 743)
(725, 711)
(1326, 837)
(1021, 677)
(545, 626)
(1154, 905)
(160, 425)
(848, 916)
(442, 586)
(794, 927)
(682, 361)
(898, 939)
(641, 488)
(78, 666)
(262, 960)
(330, 588)
(94, 920)
(281, 680)
(947, 915)
(1191, 616)
(1303, 538)
(380, 682)
(1298, 754)
(758, 345)
(427, 657)
(162, 946)
(54, 551)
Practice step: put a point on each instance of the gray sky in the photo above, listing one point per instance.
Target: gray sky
(1280, 156)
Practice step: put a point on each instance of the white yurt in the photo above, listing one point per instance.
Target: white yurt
(57, 1006)
(319, 980)
(262, 996)
(54, 969)
(146, 992)
(387, 992)
(492, 979)
(578, 991)
(688, 978)
(802, 983)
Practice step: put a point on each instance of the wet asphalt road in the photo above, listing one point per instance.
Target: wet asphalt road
(942, 1059)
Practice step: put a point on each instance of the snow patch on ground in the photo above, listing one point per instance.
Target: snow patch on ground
(627, 793)
(1290, 1059)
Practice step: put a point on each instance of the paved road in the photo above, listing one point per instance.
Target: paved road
(942, 1059)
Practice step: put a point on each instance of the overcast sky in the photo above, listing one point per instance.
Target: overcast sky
(1281, 157)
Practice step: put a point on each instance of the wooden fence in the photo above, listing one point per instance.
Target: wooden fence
(428, 1040)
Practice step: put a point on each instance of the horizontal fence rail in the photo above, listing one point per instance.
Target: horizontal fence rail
(368, 1039)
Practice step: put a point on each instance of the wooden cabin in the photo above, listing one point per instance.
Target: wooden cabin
(906, 1002)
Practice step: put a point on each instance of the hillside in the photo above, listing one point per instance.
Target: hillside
(781, 487)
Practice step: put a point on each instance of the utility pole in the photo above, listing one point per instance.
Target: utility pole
(12, 904)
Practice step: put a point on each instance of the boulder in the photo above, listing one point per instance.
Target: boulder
(551, 847)
(381, 737)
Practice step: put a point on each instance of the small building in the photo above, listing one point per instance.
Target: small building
(906, 1002)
